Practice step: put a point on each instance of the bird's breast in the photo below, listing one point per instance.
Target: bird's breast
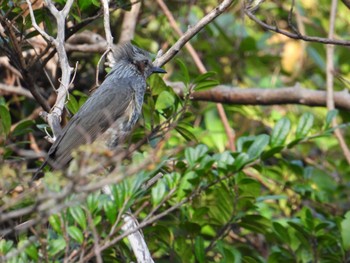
(121, 127)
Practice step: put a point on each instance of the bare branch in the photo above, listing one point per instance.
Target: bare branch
(107, 26)
(295, 35)
(202, 70)
(17, 90)
(36, 26)
(192, 31)
(330, 81)
(54, 117)
(129, 23)
(260, 96)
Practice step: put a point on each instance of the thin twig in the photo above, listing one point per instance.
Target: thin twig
(191, 32)
(202, 70)
(295, 35)
(330, 81)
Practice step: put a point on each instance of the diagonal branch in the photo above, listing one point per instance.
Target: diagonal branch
(202, 69)
(191, 32)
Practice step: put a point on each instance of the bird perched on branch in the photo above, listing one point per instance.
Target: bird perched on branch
(111, 111)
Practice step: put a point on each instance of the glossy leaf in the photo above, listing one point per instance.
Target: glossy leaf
(258, 146)
(165, 100)
(184, 71)
(158, 192)
(305, 124)
(79, 216)
(345, 233)
(330, 116)
(199, 249)
(280, 132)
(56, 246)
(76, 234)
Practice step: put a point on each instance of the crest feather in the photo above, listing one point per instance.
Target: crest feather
(128, 52)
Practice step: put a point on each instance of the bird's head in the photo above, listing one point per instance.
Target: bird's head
(133, 60)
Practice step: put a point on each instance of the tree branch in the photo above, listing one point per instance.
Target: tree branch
(295, 35)
(192, 31)
(129, 23)
(53, 118)
(202, 70)
(260, 96)
(330, 81)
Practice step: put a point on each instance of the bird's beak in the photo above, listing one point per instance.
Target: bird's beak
(158, 70)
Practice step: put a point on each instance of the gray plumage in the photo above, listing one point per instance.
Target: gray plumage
(111, 111)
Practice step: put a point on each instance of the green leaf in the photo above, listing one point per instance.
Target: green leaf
(72, 104)
(92, 202)
(32, 252)
(258, 146)
(281, 232)
(244, 142)
(185, 132)
(241, 160)
(5, 120)
(164, 100)
(97, 220)
(84, 4)
(304, 126)
(204, 77)
(23, 127)
(55, 223)
(56, 246)
(185, 184)
(280, 132)
(256, 223)
(172, 179)
(224, 160)
(216, 135)
(111, 211)
(308, 219)
(76, 234)
(5, 246)
(79, 216)
(199, 249)
(330, 116)
(206, 85)
(193, 155)
(184, 71)
(304, 234)
(157, 84)
(270, 152)
(158, 192)
(345, 233)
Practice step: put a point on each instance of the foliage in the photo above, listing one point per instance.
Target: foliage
(281, 196)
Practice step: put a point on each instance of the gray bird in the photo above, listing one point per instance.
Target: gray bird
(110, 113)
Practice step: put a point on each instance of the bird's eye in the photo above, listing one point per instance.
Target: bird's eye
(145, 62)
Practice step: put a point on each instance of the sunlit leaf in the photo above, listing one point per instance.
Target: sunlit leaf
(280, 132)
(305, 124)
(165, 100)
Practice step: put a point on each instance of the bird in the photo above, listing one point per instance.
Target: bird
(111, 112)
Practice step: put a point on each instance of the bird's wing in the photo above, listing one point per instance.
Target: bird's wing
(105, 105)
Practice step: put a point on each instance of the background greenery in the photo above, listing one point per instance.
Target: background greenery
(282, 196)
